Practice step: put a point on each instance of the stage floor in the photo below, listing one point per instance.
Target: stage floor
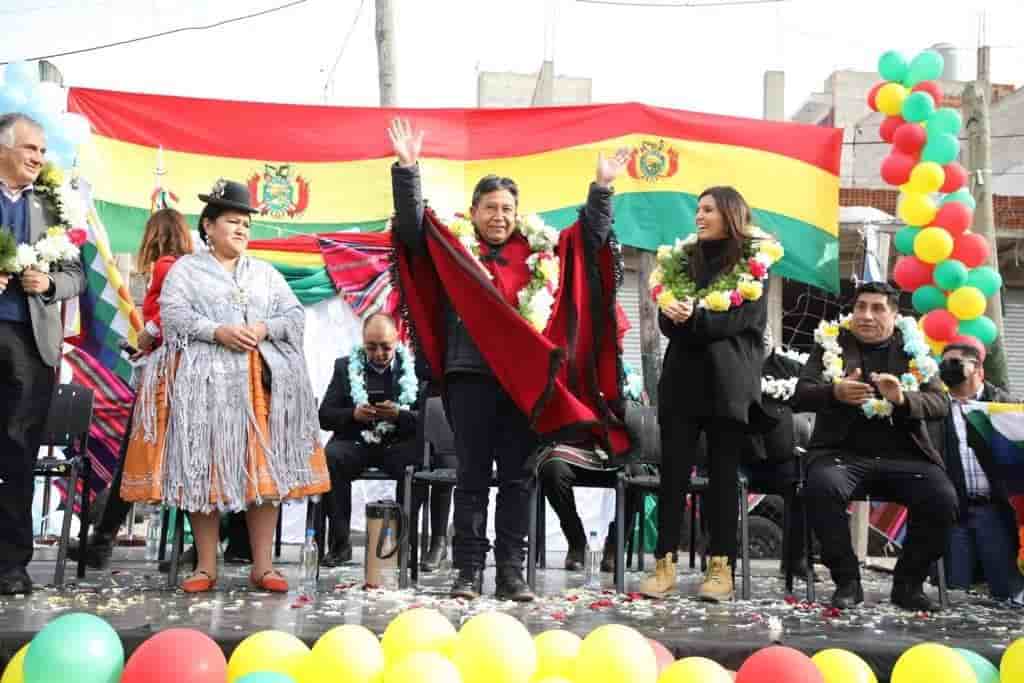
(132, 596)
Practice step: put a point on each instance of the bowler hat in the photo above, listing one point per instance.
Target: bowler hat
(230, 195)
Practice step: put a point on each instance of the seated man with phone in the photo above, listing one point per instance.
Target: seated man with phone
(372, 406)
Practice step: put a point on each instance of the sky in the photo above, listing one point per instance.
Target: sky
(708, 59)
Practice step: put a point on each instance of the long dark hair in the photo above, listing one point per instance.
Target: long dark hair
(166, 234)
(736, 218)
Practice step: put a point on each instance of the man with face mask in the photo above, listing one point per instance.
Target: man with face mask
(985, 532)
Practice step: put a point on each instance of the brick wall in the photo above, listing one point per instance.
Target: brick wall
(1009, 210)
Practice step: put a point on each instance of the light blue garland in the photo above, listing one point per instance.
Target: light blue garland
(408, 387)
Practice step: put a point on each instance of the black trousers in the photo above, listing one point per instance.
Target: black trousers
(489, 429)
(835, 478)
(727, 442)
(558, 478)
(346, 460)
(26, 389)
(780, 479)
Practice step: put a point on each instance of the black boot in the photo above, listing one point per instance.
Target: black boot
(574, 559)
(337, 556)
(800, 570)
(848, 594)
(188, 560)
(910, 595)
(510, 585)
(97, 553)
(469, 584)
(437, 554)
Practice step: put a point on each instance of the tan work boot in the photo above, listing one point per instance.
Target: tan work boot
(717, 584)
(663, 581)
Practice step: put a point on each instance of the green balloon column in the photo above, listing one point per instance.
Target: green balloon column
(942, 261)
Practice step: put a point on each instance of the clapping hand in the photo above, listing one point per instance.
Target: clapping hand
(852, 391)
(406, 142)
(889, 386)
(609, 168)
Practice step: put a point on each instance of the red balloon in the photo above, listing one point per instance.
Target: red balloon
(954, 217)
(909, 138)
(661, 655)
(872, 93)
(896, 168)
(911, 272)
(971, 249)
(932, 88)
(177, 655)
(956, 177)
(889, 127)
(779, 663)
(940, 324)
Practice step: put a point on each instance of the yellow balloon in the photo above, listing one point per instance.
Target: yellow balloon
(695, 670)
(494, 647)
(889, 98)
(931, 663)
(348, 653)
(417, 630)
(937, 347)
(1011, 666)
(15, 671)
(916, 209)
(556, 654)
(933, 245)
(926, 177)
(420, 667)
(615, 654)
(842, 666)
(552, 679)
(275, 651)
(966, 303)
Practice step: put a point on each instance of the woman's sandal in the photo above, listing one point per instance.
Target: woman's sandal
(199, 582)
(271, 580)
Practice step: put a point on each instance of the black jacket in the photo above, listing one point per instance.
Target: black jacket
(712, 366)
(337, 409)
(461, 354)
(921, 415)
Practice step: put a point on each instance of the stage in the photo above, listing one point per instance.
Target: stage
(133, 598)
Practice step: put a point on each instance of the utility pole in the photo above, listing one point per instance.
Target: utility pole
(386, 75)
(650, 337)
(774, 109)
(976, 101)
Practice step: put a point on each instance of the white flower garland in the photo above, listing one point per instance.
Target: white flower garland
(779, 389)
(408, 387)
(792, 354)
(922, 366)
(537, 298)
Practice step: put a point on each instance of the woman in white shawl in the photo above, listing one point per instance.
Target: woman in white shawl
(226, 419)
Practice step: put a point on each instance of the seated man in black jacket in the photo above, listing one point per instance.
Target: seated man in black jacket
(371, 405)
(878, 432)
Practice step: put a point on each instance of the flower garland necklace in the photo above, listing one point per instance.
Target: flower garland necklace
(922, 366)
(537, 297)
(670, 280)
(408, 387)
(61, 242)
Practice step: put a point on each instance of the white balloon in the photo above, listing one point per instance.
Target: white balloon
(76, 129)
(49, 97)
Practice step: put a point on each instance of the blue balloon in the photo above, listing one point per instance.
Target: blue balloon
(79, 646)
(13, 99)
(265, 677)
(984, 670)
(23, 75)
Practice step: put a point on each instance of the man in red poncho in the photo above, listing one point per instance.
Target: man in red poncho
(510, 380)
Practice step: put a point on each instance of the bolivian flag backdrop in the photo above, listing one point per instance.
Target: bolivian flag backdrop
(325, 169)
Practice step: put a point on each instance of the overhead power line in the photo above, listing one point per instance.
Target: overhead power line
(643, 3)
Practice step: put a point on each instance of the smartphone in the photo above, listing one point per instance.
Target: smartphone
(377, 397)
(127, 348)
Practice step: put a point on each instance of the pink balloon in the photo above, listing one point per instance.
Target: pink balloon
(661, 654)
(177, 655)
(776, 664)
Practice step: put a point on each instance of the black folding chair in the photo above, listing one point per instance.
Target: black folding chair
(67, 427)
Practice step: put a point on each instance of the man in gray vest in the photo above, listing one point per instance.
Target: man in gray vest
(30, 341)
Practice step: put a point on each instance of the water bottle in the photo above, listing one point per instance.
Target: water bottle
(153, 533)
(309, 563)
(592, 563)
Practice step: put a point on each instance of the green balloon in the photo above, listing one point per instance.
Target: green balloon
(984, 670)
(942, 148)
(963, 195)
(928, 298)
(927, 66)
(905, 239)
(892, 66)
(981, 327)
(950, 274)
(945, 120)
(986, 279)
(83, 646)
(918, 107)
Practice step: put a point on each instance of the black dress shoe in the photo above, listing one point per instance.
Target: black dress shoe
(574, 560)
(437, 554)
(99, 549)
(911, 596)
(469, 584)
(848, 594)
(337, 556)
(510, 585)
(188, 561)
(15, 582)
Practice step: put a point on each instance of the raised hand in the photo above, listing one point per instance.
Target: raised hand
(406, 141)
(609, 168)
